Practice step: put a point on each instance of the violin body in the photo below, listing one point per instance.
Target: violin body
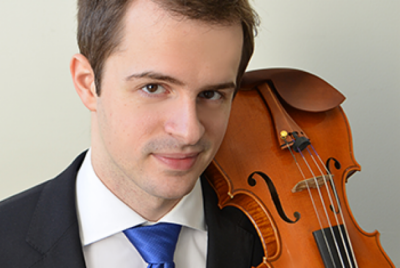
(294, 196)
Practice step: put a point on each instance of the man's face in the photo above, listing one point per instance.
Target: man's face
(165, 102)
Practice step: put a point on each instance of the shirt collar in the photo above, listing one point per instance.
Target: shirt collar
(102, 214)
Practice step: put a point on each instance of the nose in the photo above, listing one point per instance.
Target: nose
(184, 122)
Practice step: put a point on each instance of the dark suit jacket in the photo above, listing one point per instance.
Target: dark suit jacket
(39, 228)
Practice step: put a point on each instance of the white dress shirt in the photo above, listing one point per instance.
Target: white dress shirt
(102, 218)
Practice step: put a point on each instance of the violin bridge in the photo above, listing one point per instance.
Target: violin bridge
(310, 183)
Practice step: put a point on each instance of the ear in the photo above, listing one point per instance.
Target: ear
(83, 79)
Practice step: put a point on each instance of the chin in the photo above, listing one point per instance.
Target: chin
(179, 189)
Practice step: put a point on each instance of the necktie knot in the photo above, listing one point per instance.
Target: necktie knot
(155, 243)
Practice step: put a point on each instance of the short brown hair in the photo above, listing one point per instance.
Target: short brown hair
(100, 25)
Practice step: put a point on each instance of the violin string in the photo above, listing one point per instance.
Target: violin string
(313, 204)
(339, 207)
(331, 203)
(324, 208)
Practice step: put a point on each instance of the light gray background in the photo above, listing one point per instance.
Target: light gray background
(354, 45)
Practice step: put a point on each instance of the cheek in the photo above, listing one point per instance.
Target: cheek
(216, 124)
(132, 127)
(115, 123)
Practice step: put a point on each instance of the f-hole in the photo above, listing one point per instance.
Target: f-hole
(274, 195)
(337, 166)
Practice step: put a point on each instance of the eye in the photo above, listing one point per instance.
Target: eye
(210, 95)
(153, 89)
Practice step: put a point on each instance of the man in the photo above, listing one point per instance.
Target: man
(158, 77)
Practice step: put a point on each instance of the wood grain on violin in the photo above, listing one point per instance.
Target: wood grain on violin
(284, 162)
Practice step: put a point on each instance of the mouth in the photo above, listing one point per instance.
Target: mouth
(181, 162)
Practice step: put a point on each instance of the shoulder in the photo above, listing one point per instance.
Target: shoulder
(21, 205)
(15, 210)
(24, 215)
(15, 217)
(230, 228)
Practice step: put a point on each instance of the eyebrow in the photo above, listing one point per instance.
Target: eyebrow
(170, 79)
(156, 76)
(228, 85)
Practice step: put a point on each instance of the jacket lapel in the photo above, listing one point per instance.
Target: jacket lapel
(54, 231)
(229, 244)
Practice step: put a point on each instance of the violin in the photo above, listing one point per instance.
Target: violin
(285, 159)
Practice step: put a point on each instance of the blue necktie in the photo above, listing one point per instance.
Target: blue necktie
(155, 243)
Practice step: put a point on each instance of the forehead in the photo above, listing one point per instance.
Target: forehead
(154, 38)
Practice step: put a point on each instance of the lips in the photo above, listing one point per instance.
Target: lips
(177, 161)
